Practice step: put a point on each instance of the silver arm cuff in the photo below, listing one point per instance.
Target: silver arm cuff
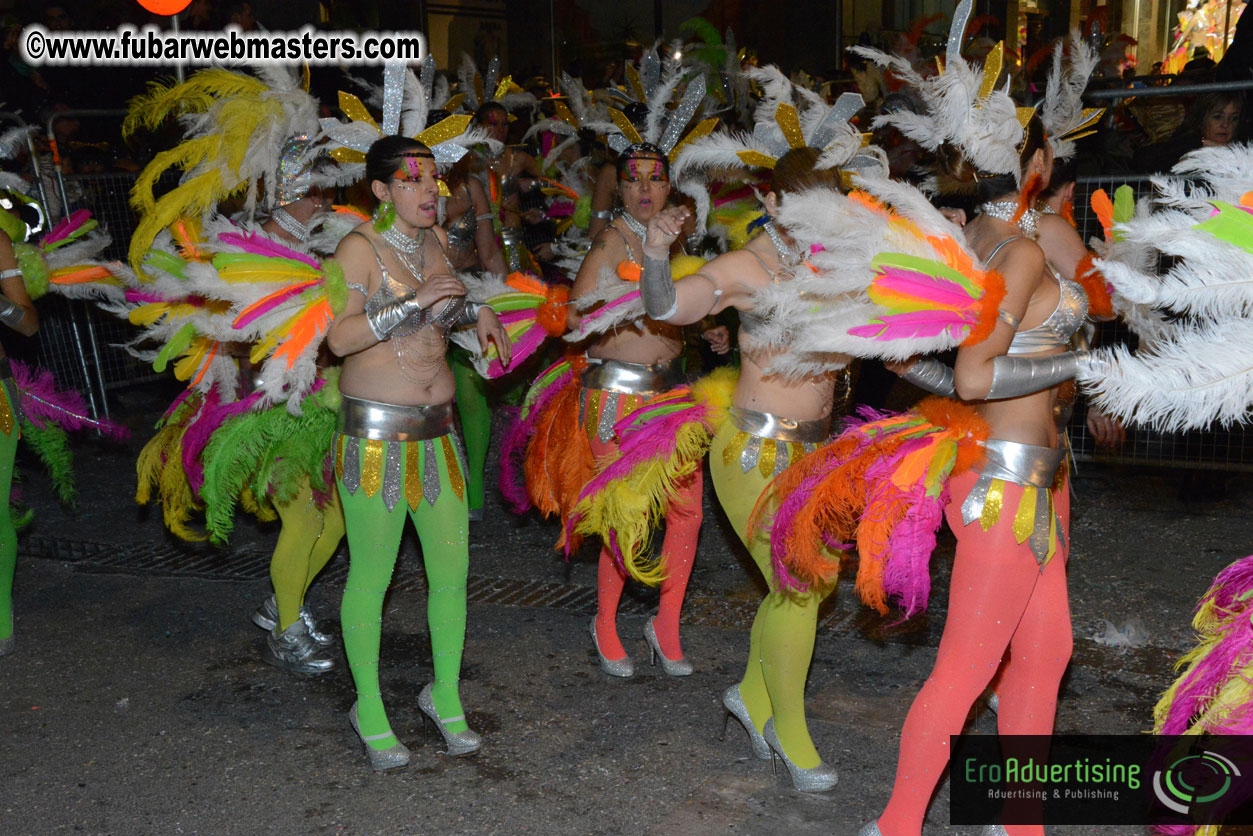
(8, 274)
(930, 375)
(1014, 377)
(603, 214)
(469, 315)
(389, 316)
(11, 313)
(661, 300)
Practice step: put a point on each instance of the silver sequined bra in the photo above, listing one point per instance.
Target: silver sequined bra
(390, 290)
(1062, 324)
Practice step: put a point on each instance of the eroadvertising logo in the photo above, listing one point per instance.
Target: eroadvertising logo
(1102, 780)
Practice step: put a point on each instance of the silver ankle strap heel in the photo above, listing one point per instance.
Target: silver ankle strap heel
(381, 760)
(460, 744)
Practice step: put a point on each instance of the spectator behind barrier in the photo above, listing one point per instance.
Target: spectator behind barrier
(1212, 120)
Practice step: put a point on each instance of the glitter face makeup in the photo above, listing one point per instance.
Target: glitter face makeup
(640, 169)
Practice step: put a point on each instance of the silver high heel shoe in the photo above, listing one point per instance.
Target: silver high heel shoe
(381, 760)
(733, 702)
(818, 778)
(672, 667)
(614, 667)
(994, 830)
(266, 617)
(460, 744)
(870, 829)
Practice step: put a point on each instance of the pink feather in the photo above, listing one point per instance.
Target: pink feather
(604, 309)
(651, 443)
(276, 299)
(44, 404)
(913, 324)
(523, 348)
(200, 432)
(66, 228)
(260, 245)
(941, 292)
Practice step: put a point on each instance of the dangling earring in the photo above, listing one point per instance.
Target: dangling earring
(384, 216)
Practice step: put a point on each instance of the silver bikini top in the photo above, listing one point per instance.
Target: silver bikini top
(390, 290)
(1066, 319)
(461, 234)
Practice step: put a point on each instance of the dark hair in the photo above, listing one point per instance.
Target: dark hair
(1207, 104)
(794, 172)
(388, 154)
(642, 151)
(957, 175)
(1064, 172)
(480, 115)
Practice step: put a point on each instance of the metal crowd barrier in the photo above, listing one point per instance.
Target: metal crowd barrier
(101, 364)
(1230, 449)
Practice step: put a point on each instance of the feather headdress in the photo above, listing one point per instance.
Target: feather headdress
(477, 89)
(962, 105)
(1065, 118)
(237, 129)
(406, 111)
(656, 85)
(787, 117)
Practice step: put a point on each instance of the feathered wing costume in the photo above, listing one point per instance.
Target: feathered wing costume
(1196, 368)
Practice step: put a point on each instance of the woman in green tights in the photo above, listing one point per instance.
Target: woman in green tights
(18, 313)
(772, 422)
(395, 451)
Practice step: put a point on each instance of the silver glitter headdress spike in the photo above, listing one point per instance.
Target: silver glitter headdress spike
(405, 106)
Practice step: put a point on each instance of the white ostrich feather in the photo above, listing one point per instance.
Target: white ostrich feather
(1202, 375)
(1062, 109)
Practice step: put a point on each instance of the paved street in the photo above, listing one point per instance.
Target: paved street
(137, 703)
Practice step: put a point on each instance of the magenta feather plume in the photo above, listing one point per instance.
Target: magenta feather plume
(44, 404)
(510, 317)
(1231, 585)
(650, 444)
(200, 431)
(142, 296)
(260, 245)
(66, 228)
(513, 446)
(914, 324)
(907, 569)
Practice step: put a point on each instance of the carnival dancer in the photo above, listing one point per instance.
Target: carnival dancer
(624, 368)
(219, 432)
(771, 422)
(396, 455)
(1010, 511)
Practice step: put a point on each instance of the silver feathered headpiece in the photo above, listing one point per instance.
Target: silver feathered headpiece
(1062, 112)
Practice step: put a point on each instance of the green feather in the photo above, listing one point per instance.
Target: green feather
(176, 346)
(34, 269)
(336, 285)
(52, 446)
(271, 452)
(166, 262)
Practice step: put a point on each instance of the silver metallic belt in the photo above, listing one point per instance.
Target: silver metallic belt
(631, 378)
(361, 418)
(765, 425)
(1022, 464)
